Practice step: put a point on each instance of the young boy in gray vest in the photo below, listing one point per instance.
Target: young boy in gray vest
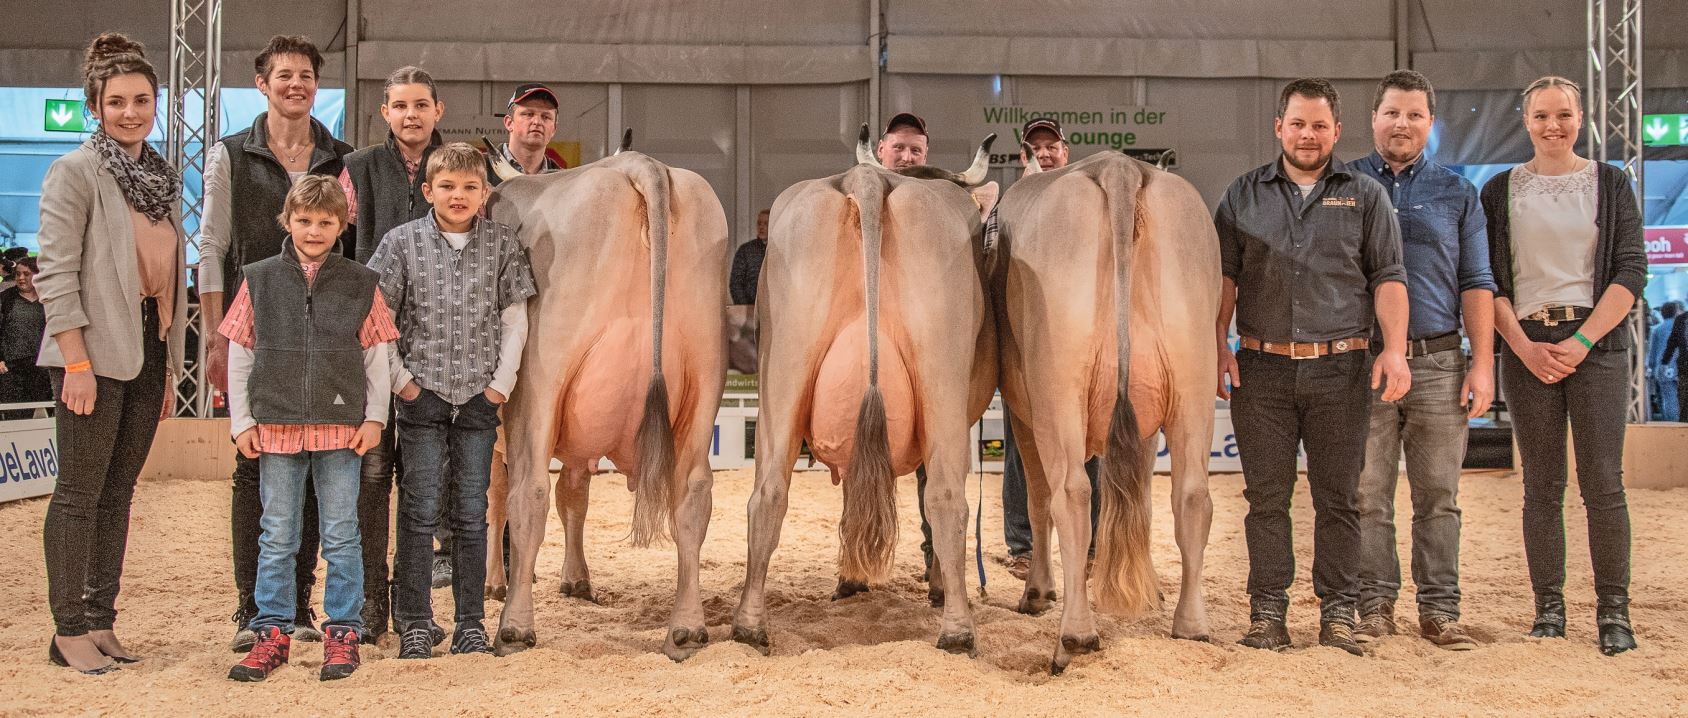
(309, 372)
(459, 284)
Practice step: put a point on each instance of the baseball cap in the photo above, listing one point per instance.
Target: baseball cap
(1042, 123)
(526, 91)
(906, 119)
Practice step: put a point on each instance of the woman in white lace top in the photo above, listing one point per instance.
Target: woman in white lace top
(1566, 247)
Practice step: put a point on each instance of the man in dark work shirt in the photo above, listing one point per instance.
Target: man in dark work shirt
(1307, 248)
(747, 264)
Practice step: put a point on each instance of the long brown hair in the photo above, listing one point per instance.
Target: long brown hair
(109, 55)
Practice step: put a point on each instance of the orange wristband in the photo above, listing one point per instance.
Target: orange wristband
(78, 367)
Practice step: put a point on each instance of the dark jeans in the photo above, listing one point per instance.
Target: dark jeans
(100, 457)
(1431, 426)
(1321, 404)
(247, 516)
(1595, 401)
(1016, 521)
(375, 495)
(438, 439)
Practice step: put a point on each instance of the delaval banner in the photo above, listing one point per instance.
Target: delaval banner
(29, 458)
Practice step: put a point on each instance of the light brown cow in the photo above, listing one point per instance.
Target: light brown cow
(625, 358)
(877, 347)
(1104, 259)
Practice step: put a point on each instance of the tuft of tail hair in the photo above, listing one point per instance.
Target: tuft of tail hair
(1125, 579)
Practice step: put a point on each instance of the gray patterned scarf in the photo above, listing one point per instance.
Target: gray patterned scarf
(150, 184)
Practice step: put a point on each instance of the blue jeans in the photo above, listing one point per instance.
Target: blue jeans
(281, 483)
(438, 438)
(1430, 426)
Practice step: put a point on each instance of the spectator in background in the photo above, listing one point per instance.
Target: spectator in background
(747, 263)
(23, 321)
(1662, 376)
(1676, 356)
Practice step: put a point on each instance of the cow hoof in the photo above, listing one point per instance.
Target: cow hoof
(495, 593)
(847, 588)
(683, 642)
(1198, 638)
(581, 589)
(1035, 602)
(935, 596)
(513, 640)
(958, 643)
(756, 638)
(1070, 647)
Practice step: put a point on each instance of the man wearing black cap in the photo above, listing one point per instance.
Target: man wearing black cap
(531, 119)
(904, 143)
(1049, 149)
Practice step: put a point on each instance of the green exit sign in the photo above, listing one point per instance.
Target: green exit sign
(63, 116)
(1664, 130)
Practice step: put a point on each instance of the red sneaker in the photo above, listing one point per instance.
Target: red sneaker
(339, 653)
(267, 654)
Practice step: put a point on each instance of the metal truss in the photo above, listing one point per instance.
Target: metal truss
(1614, 109)
(196, 45)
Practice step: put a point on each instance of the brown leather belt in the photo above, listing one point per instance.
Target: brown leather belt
(1552, 316)
(1307, 350)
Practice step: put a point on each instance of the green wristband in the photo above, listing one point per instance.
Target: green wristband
(1585, 342)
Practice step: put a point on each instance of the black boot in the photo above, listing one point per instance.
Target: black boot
(1550, 616)
(1612, 616)
(375, 613)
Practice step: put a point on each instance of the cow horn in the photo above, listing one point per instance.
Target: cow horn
(1032, 167)
(500, 166)
(864, 153)
(975, 175)
(626, 141)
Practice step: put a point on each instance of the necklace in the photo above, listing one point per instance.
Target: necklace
(293, 158)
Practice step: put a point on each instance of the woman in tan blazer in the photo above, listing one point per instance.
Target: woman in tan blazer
(113, 282)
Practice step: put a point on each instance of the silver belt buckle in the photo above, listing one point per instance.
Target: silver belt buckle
(1313, 347)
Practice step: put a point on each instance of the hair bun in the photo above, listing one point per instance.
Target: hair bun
(112, 44)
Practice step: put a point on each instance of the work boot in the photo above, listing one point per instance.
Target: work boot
(304, 626)
(1445, 632)
(1616, 635)
(1020, 567)
(375, 615)
(1337, 634)
(1267, 633)
(339, 653)
(1376, 622)
(1550, 616)
(442, 571)
(243, 635)
(269, 652)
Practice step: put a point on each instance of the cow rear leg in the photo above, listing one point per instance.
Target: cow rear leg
(777, 450)
(946, 508)
(497, 512)
(529, 455)
(1040, 595)
(1070, 505)
(687, 633)
(1189, 437)
(572, 491)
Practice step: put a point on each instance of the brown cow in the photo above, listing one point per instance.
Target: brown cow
(878, 349)
(625, 359)
(1103, 260)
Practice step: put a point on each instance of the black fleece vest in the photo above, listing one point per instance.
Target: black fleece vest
(308, 362)
(386, 195)
(258, 187)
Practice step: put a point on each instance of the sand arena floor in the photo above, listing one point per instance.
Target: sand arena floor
(872, 654)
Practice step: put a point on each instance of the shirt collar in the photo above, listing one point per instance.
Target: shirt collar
(1376, 162)
(545, 165)
(434, 223)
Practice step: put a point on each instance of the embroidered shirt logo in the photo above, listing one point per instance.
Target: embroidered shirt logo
(1337, 202)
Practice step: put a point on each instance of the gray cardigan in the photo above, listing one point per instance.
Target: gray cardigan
(89, 278)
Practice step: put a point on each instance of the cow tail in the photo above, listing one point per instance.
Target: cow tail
(867, 532)
(654, 441)
(1125, 578)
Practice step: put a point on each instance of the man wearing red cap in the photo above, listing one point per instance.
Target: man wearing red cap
(531, 119)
